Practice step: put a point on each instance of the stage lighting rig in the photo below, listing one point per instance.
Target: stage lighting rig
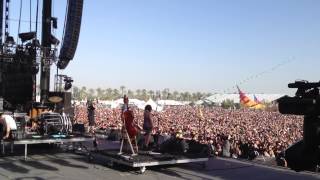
(9, 40)
(27, 36)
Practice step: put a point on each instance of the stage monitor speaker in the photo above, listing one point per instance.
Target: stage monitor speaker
(114, 135)
(78, 128)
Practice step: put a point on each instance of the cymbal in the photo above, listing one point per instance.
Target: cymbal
(55, 99)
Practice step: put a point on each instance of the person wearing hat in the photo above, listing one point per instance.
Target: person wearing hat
(7, 126)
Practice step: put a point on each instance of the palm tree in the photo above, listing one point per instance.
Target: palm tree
(138, 93)
(130, 94)
(99, 93)
(165, 93)
(158, 94)
(151, 94)
(91, 94)
(193, 96)
(76, 93)
(144, 94)
(83, 93)
(175, 95)
(109, 93)
(181, 96)
(186, 96)
(116, 94)
(122, 88)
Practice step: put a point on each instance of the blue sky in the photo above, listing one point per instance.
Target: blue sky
(194, 45)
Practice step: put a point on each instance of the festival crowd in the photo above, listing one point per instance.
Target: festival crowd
(236, 133)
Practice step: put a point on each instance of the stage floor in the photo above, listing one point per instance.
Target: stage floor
(57, 164)
(43, 140)
(147, 158)
(69, 166)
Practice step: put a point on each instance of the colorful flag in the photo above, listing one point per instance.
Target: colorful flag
(256, 99)
(247, 102)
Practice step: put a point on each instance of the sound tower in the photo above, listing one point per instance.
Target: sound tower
(72, 32)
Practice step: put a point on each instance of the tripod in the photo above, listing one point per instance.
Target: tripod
(125, 136)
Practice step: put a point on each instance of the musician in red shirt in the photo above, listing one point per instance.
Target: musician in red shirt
(128, 120)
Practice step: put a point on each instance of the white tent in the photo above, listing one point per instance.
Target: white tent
(140, 104)
(154, 105)
(151, 103)
(136, 102)
(199, 102)
(170, 103)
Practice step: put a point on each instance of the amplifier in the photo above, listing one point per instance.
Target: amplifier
(78, 128)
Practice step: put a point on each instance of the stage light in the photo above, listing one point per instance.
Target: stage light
(67, 83)
(67, 86)
(27, 36)
(9, 40)
(54, 40)
(54, 22)
(35, 68)
(36, 43)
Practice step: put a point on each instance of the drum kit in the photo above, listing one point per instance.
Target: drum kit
(48, 122)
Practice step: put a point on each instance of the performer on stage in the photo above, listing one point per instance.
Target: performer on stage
(91, 117)
(8, 127)
(127, 117)
(147, 125)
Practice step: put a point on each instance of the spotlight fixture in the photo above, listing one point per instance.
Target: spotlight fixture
(9, 40)
(67, 83)
(27, 36)
(54, 40)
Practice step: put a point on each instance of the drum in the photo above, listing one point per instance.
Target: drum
(35, 112)
(67, 124)
(50, 123)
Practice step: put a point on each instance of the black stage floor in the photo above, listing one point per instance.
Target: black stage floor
(69, 166)
(56, 164)
(147, 156)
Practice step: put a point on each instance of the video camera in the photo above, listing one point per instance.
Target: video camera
(305, 102)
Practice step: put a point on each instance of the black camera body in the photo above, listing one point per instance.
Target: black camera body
(306, 101)
(305, 154)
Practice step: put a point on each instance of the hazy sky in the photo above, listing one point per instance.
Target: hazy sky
(193, 45)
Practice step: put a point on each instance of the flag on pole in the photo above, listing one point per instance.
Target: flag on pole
(247, 102)
(256, 99)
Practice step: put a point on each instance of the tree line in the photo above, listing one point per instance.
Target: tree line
(141, 94)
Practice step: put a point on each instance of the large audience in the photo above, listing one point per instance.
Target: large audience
(250, 133)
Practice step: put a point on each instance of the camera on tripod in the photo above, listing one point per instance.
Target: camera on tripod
(305, 102)
(304, 154)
